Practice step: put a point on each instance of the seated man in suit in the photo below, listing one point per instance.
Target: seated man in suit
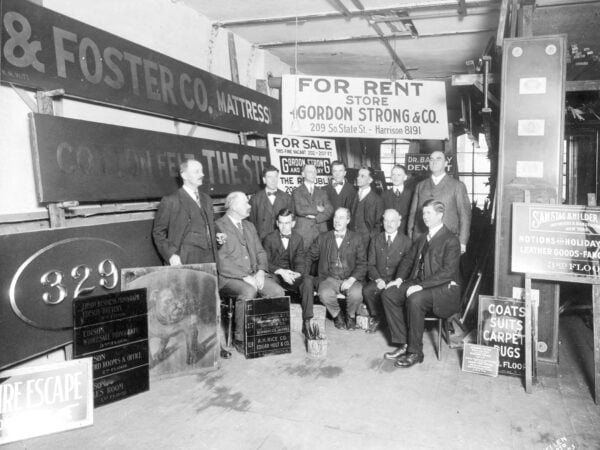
(267, 202)
(386, 251)
(243, 264)
(184, 229)
(431, 287)
(340, 193)
(285, 253)
(311, 207)
(341, 269)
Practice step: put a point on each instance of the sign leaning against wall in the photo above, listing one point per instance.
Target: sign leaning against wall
(363, 107)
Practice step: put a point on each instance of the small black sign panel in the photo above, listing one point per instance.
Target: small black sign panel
(113, 329)
(267, 327)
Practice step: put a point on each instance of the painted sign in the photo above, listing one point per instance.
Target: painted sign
(43, 271)
(363, 107)
(416, 163)
(113, 330)
(88, 161)
(42, 49)
(291, 153)
(40, 400)
(480, 359)
(501, 324)
(556, 242)
(267, 327)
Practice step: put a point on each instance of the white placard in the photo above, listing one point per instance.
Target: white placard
(531, 127)
(363, 107)
(530, 169)
(534, 85)
(290, 153)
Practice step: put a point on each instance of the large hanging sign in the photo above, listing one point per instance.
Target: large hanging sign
(42, 49)
(88, 161)
(291, 153)
(363, 107)
(556, 242)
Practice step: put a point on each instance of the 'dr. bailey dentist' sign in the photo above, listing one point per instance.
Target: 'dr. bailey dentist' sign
(363, 107)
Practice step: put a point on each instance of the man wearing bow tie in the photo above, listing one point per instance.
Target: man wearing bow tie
(386, 251)
(340, 193)
(183, 230)
(267, 202)
(399, 195)
(432, 286)
(341, 269)
(286, 256)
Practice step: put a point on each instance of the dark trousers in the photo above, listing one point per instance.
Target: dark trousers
(407, 313)
(303, 286)
(372, 297)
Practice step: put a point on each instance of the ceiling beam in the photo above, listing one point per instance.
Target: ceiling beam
(434, 15)
(337, 4)
(369, 37)
(409, 7)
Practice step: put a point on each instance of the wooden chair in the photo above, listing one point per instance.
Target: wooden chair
(442, 326)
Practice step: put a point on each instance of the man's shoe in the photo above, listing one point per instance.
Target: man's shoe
(408, 360)
(239, 346)
(375, 322)
(396, 353)
(351, 323)
(225, 354)
(339, 322)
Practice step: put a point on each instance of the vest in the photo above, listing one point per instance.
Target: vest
(336, 268)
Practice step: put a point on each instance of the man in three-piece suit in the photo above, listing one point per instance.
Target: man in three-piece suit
(432, 286)
(399, 195)
(183, 230)
(451, 192)
(311, 207)
(386, 251)
(367, 215)
(286, 256)
(341, 269)
(267, 202)
(340, 193)
(243, 264)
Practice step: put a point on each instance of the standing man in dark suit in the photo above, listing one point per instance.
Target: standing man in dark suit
(267, 202)
(243, 264)
(398, 196)
(340, 193)
(286, 256)
(431, 287)
(342, 268)
(367, 216)
(184, 231)
(386, 251)
(311, 207)
(451, 192)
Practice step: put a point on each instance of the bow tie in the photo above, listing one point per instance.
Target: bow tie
(271, 192)
(337, 183)
(340, 235)
(286, 236)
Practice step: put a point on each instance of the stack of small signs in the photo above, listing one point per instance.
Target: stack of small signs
(267, 327)
(113, 329)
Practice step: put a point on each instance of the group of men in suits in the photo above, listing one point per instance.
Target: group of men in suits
(273, 241)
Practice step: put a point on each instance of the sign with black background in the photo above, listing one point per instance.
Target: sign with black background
(113, 329)
(267, 327)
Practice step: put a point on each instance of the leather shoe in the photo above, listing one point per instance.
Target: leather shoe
(396, 353)
(375, 322)
(408, 360)
(339, 322)
(225, 354)
(351, 323)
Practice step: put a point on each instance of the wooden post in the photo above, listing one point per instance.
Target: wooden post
(596, 325)
(528, 344)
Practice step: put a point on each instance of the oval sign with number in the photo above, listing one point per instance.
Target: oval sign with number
(44, 286)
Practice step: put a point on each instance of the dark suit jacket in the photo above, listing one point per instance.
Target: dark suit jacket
(441, 267)
(231, 255)
(351, 252)
(383, 262)
(400, 204)
(306, 205)
(276, 253)
(263, 215)
(372, 213)
(172, 221)
(453, 194)
(345, 199)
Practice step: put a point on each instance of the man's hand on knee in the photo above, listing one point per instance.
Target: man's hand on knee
(411, 290)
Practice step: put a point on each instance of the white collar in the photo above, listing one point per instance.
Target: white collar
(399, 188)
(309, 185)
(434, 230)
(392, 235)
(235, 222)
(364, 192)
(436, 180)
(190, 191)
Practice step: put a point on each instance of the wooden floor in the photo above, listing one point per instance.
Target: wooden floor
(354, 399)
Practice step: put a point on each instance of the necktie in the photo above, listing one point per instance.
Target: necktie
(239, 227)
(285, 236)
(337, 183)
(197, 197)
(340, 235)
(272, 193)
(397, 192)
(389, 241)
